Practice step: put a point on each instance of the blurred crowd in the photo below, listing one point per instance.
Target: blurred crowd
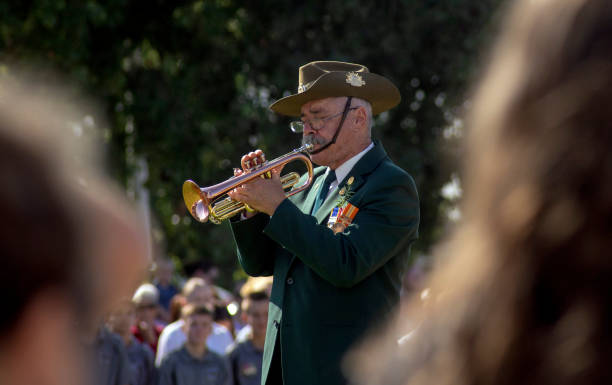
(165, 333)
(176, 329)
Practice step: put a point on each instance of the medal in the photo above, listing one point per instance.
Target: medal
(332, 217)
(342, 215)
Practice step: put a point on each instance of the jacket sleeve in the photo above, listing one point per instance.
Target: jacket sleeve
(255, 249)
(387, 222)
(150, 372)
(227, 378)
(165, 375)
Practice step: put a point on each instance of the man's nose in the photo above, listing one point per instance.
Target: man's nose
(308, 129)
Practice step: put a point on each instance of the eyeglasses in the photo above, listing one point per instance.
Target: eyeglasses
(315, 123)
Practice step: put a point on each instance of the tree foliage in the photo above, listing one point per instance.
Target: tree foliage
(186, 85)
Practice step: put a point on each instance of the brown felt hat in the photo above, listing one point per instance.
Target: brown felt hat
(324, 79)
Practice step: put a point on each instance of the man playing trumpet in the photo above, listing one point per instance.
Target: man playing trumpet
(336, 250)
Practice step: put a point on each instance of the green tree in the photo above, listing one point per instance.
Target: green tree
(186, 84)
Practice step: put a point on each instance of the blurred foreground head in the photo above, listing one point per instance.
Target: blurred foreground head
(524, 293)
(70, 245)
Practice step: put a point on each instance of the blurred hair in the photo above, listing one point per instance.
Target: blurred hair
(71, 245)
(254, 284)
(54, 228)
(192, 284)
(190, 310)
(40, 236)
(124, 303)
(176, 304)
(255, 296)
(146, 294)
(525, 292)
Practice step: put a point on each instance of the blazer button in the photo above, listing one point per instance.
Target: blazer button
(289, 281)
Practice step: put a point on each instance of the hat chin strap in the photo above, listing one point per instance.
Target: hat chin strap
(344, 113)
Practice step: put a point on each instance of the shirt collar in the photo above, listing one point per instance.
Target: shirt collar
(343, 170)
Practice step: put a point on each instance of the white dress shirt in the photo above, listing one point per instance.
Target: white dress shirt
(344, 169)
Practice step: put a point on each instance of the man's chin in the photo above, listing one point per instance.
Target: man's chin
(318, 159)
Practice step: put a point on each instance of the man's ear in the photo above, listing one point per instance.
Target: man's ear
(360, 117)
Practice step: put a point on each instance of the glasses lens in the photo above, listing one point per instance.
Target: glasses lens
(297, 126)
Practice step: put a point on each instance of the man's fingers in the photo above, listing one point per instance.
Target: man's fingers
(252, 159)
(278, 169)
(235, 195)
(261, 157)
(245, 162)
(276, 173)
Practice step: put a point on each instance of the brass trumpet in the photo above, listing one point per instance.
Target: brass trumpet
(212, 203)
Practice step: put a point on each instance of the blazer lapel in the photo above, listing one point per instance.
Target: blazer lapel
(313, 191)
(364, 166)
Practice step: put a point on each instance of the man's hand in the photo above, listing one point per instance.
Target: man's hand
(260, 194)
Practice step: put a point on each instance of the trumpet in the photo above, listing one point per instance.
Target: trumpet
(212, 203)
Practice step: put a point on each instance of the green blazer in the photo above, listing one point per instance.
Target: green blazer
(330, 288)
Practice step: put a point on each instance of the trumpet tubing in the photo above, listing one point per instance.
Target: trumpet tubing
(226, 207)
(212, 203)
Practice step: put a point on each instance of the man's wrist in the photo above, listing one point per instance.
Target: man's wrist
(275, 206)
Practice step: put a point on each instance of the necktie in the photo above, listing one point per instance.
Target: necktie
(331, 176)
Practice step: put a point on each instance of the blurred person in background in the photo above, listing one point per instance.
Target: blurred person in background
(70, 244)
(164, 271)
(252, 285)
(246, 356)
(111, 364)
(524, 292)
(197, 292)
(147, 327)
(222, 316)
(414, 279)
(140, 355)
(176, 304)
(209, 273)
(193, 363)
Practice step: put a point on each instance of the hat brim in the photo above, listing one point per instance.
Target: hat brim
(378, 90)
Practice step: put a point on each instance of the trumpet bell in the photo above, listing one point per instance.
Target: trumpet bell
(194, 202)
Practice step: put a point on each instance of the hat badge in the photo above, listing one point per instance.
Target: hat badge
(354, 79)
(303, 87)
